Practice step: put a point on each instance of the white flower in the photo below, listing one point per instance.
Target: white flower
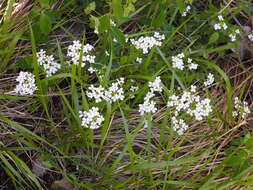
(114, 40)
(147, 107)
(115, 91)
(210, 80)
(92, 70)
(97, 93)
(173, 101)
(193, 66)
(224, 25)
(134, 88)
(189, 104)
(217, 26)
(96, 31)
(112, 23)
(91, 119)
(188, 8)
(241, 108)
(179, 125)
(148, 42)
(220, 18)
(156, 85)
(232, 37)
(250, 36)
(75, 52)
(203, 109)
(26, 85)
(193, 88)
(50, 66)
(106, 53)
(149, 95)
(138, 60)
(237, 31)
(178, 62)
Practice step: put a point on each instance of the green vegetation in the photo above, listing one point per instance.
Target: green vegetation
(126, 94)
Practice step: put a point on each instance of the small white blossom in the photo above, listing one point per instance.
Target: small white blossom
(193, 66)
(156, 85)
(149, 95)
(112, 23)
(179, 125)
(92, 70)
(232, 37)
(220, 18)
(106, 53)
(148, 42)
(133, 89)
(98, 93)
(193, 88)
(189, 104)
(115, 92)
(48, 63)
(210, 80)
(237, 31)
(91, 119)
(75, 52)
(217, 26)
(187, 10)
(250, 36)
(26, 84)
(224, 25)
(96, 31)
(138, 59)
(147, 107)
(178, 62)
(241, 108)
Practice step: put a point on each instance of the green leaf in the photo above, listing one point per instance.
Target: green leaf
(94, 21)
(117, 8)
(180, 5)
(44, 3)
(159, 20)
(91, 7)
(104, 23)
(119, 36)
(45, 23)
(213, 38)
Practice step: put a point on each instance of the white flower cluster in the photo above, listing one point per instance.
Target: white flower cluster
(91, 119)
(178, 62)
(187, 10)
(113, 94)
(26, 85)
(76, 51)
(97, 93)
(133, 89)
(233, 35)
(49, 64)
(221, 24)
(250, 36)
(189, 104)
(149, 105)
(179, 125)
(210, 80)
(148, 42)
(241, 108)
(92, 70)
